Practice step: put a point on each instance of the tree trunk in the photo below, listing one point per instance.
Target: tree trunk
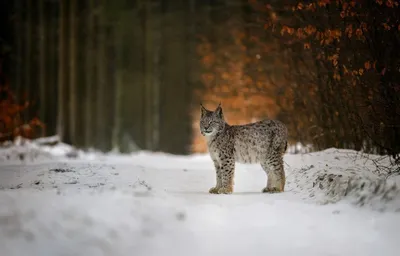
(152, 37)
(72, 71)
(42, 62)
(89, 55)
(28, 55)
(134, 100)
(119, 79)
(62, 104)
(175, 127)
(18, 41)
(52, 69)
(101, 81)
(148, 76)
(80, 73)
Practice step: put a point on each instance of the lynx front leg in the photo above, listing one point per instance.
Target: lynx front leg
(214, 190)
(276, 174)
(227, 174)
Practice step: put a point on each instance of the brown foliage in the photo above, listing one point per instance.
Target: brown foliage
(234, 75)
(11, 122)
(341, 52)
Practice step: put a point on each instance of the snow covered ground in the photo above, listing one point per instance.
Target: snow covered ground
(335, 203)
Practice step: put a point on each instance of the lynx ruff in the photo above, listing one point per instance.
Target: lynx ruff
(263, 142)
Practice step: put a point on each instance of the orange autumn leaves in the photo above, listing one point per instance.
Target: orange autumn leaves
(245, 95)
(350, 24)
(225, 78)
(11, 122)
(345, 5)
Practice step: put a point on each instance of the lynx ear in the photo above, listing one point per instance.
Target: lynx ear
(218, 111)
(203, 110)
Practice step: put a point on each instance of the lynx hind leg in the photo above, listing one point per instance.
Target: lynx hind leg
(273, 166)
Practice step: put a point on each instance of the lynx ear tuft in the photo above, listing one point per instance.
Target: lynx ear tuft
(218, 111)
(203, 109)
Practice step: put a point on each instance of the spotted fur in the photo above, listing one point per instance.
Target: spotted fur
(262, 142)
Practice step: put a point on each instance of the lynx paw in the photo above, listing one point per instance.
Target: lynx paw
(272, 190)
(226, 190)
(213, 190)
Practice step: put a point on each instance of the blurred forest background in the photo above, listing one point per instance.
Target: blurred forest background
(130, 74)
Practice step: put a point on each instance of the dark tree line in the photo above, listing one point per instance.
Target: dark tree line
(107, 74)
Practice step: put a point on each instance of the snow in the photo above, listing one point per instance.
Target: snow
(55, 200)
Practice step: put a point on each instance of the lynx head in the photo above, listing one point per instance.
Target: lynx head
(211, 122)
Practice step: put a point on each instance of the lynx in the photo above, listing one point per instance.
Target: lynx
(263, 142)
